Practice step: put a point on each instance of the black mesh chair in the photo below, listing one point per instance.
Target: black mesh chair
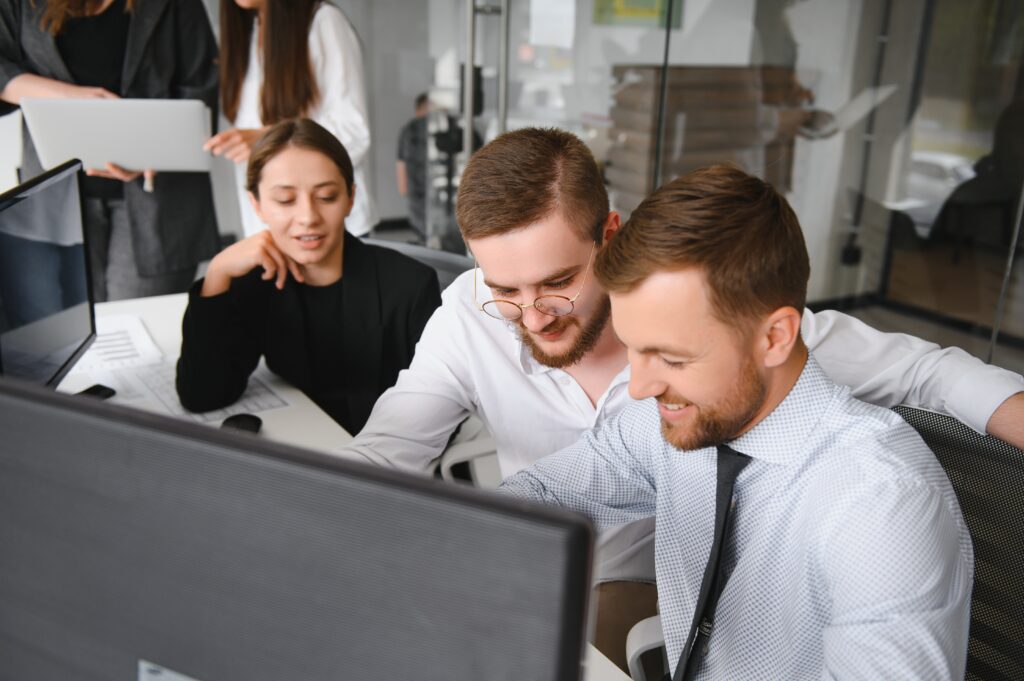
(988, 477)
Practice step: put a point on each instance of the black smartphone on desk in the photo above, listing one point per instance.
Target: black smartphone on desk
(99, 391)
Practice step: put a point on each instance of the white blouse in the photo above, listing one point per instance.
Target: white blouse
(338, 67)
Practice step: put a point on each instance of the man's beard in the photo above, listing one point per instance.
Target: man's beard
(585, 342)
(721, 422)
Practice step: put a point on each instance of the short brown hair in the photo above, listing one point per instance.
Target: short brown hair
(526, 175)
(735, 227)
(304, 134)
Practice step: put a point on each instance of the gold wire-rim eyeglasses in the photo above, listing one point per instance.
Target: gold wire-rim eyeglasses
(520, 307)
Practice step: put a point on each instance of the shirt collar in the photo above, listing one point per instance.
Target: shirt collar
(782, 437)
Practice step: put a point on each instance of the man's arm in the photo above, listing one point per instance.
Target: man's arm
(411, 423)
(1007, 423)
(895, 368)
(603, 475)
(401, 179)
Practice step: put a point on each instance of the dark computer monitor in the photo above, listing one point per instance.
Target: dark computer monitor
(46, 316)
(131, 543)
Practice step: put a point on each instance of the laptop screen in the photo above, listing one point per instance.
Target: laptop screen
(46, 317)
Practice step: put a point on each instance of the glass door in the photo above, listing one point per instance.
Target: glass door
(568, 64)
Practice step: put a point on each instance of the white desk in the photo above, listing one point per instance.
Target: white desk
(597, 667)
(301, 423)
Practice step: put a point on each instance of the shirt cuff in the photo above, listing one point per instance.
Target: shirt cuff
(980, 390)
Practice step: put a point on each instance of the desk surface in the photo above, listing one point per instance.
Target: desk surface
(597, 667)
(301, 423)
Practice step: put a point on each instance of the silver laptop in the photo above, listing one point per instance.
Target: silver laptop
(161, 134)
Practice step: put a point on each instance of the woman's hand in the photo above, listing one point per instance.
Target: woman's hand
(242, 257)
(30, 85)
(235, 144)
(116, 172)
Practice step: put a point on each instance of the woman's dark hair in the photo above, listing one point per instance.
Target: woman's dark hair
(289, 84)
(303, 134)
(59, 11)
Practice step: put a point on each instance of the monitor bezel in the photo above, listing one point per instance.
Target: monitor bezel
(75, 167)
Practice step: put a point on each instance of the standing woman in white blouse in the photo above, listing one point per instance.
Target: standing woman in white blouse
(282, 59)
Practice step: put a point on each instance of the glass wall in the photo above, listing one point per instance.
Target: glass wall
(557, 64)
(895, 128)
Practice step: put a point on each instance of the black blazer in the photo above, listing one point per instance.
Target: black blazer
(171, 54)
(387, 299)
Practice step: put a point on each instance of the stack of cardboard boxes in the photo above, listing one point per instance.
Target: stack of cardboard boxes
(714, 114)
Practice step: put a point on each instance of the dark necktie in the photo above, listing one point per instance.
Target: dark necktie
(730, 463)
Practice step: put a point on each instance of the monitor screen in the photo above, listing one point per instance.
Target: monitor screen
(137, 547)
(46, 319)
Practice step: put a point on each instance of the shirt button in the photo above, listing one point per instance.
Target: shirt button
(565, 381)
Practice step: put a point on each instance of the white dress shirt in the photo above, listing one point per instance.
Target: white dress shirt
(467, 362)
(337, 62)
(848, 556)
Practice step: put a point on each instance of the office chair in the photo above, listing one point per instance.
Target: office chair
(447, 265)
(987, 475)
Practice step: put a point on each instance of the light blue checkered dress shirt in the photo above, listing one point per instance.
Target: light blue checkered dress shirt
(849, 556)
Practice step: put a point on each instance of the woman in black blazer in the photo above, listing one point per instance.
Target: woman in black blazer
(145, 237)
(335, 317)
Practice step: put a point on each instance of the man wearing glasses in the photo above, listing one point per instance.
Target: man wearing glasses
(525, 344)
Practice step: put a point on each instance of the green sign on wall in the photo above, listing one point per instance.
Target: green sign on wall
(644, 13)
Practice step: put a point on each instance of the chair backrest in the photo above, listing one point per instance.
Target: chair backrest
(988, 477)
(447, 265)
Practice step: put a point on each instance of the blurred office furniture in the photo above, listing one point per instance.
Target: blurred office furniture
(645, 650)
(447, 265)
(884, 231)
(992, 195)
(987, 475)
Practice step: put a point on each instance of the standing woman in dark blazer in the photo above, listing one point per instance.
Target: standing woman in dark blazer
(335, 317)
(146, 234)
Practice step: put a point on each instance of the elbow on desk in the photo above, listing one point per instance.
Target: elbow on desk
(197, 398)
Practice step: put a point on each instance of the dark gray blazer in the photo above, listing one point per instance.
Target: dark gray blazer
(171, 54)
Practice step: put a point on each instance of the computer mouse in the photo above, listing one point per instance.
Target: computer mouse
(250, 423)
